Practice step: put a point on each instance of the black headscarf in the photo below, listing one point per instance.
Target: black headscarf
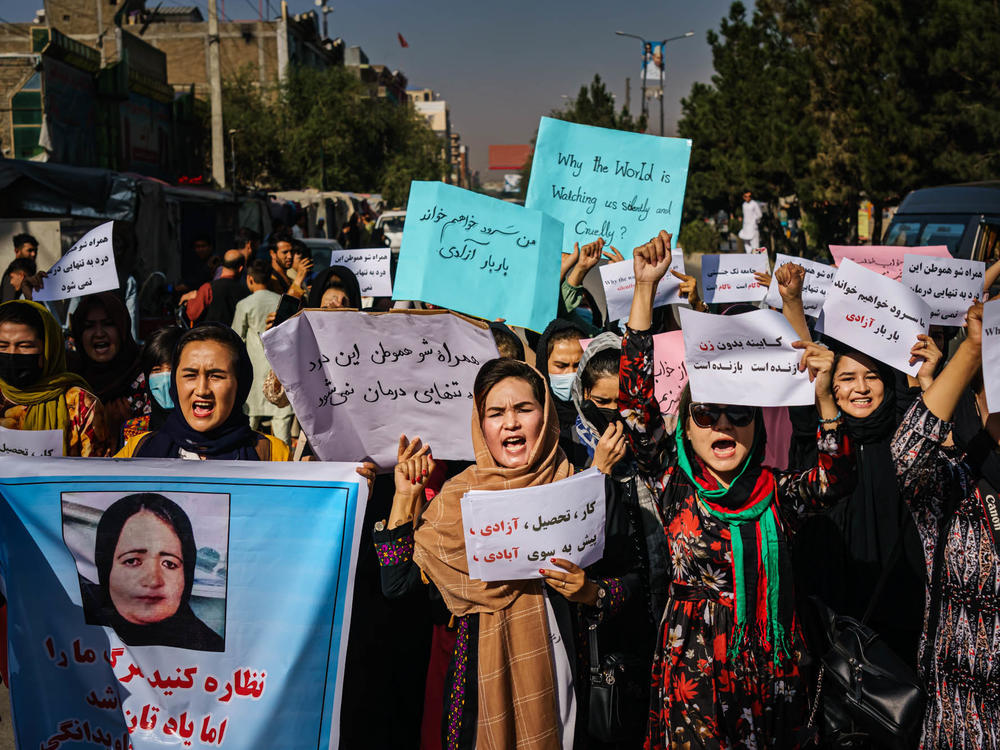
(347, 280)
(971, 437)
(108, 380)
(575, 451)
(182, 629)
(233, 439)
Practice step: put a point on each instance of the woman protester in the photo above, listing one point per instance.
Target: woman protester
(108, 358)
(145, 557)
(512, 678)
(954, 506)
(335, 288)
(157, 360)
(36, 390)
(211, 377)
(725, 672)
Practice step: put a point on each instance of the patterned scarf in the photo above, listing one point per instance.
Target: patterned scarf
(748, 507)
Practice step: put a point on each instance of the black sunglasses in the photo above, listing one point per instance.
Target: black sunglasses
(708, 415)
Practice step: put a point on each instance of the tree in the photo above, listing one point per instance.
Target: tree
(594, 105)
(319, 129)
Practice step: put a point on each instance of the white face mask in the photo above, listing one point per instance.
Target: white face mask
(562, 385)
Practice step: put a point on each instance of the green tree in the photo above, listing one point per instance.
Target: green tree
(593, 105)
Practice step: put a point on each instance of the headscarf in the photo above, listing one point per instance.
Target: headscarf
(46, 397)
(761, 567)
(517, 699)
(233, 439)
(590, 426)
(182, 629)
(109, 380)
(347, 280)
(565, 410)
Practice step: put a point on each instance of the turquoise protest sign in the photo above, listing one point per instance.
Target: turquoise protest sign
(624, 187)
(479, 256)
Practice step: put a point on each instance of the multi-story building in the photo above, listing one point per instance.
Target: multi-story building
(435, 110)
(378, 80)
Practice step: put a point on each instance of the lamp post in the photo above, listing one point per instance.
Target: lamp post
(645, 66)
(232, 159)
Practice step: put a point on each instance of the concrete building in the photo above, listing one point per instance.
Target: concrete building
(435, 110)
(378, 80)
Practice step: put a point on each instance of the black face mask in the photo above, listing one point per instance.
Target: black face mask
(599, 417)
(19, 370)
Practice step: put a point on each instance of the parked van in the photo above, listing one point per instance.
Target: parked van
(965, 217)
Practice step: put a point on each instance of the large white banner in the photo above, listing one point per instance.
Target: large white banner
(357, 380)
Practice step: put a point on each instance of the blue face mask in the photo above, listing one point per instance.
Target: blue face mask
(585, 314)
(159, 386)
(562, 385)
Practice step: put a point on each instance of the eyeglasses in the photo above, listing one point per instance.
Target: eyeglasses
(708, 415)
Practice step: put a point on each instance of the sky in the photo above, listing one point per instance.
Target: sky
(502, 65)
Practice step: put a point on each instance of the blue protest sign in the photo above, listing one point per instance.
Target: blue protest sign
(624, 187)
(479, 255)
(183, 603)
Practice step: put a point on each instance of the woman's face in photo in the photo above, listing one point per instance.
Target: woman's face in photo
(206, 384)
(512, 422)
(857, 385)
(101, 340)
(147, 573)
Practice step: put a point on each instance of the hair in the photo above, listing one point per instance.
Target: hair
(865, 359)
(495, 370)
(301, 248)
(24, 239)
(508, 344)
(245, 235)
(335, 283)
(281, 237)
(563, 334)
(259, 271)
(233, 265)
(218, 333)
(159, 348)
(603, 364)
(113, 520)
(21, 265)
(24, 315)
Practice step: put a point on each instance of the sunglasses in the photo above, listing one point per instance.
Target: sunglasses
(708, 415)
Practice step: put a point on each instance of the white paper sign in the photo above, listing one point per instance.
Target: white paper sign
(875, 315)
(86, 268)
(818, 278)
(948, 285)
(510, 534)
(40, 443)
(729, 277)
(991, 354)
(744, 359)
(370, 265)
(619, 283)
(357, 380)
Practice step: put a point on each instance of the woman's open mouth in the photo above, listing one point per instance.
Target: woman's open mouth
(724, 448)
(101, 347)
(202, 409)
(515, 444)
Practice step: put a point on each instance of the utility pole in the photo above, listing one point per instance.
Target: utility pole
(628, 95)
(215, 95)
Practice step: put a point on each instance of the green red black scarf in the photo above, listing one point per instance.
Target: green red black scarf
(761, 567)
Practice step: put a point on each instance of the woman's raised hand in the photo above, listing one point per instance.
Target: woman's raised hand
(927, 352)
(689, 288)
(790, 278)
(610, 448)
(414, 465)
(568, 261)
(652, 260)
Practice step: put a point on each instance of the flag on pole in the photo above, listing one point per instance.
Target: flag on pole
(402, 42)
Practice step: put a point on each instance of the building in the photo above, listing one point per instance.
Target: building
(435, 110)
(378, 80)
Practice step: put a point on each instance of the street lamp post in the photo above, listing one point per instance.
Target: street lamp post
(645, 67)
(232, 159)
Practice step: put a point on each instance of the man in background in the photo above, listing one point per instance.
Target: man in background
(749, 232)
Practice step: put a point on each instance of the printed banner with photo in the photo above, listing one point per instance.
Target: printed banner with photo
(190, 604)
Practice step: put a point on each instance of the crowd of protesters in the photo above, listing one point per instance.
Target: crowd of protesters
(715, 541)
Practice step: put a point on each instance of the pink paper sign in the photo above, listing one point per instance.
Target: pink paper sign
(669, 370)
(885, 259)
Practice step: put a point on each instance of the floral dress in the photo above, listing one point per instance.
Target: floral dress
(701, 696)
(963, 665)
(88, 432)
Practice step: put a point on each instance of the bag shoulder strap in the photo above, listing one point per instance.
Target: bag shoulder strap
(140, 441)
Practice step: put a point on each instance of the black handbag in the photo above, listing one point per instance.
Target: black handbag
(868, 695)
(619, 694)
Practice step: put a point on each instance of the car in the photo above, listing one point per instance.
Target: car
(391, 223)
(321, 250)
(964, 217)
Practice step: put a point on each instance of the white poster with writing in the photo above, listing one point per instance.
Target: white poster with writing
(86, 268)
(744, 359)
(33, 443)
(370, 266)
(729, 277)
(875, 315)
(991, 354)
(818, 278)
(949, 286)
(511, 534)
(358, 380)
(619, 283)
